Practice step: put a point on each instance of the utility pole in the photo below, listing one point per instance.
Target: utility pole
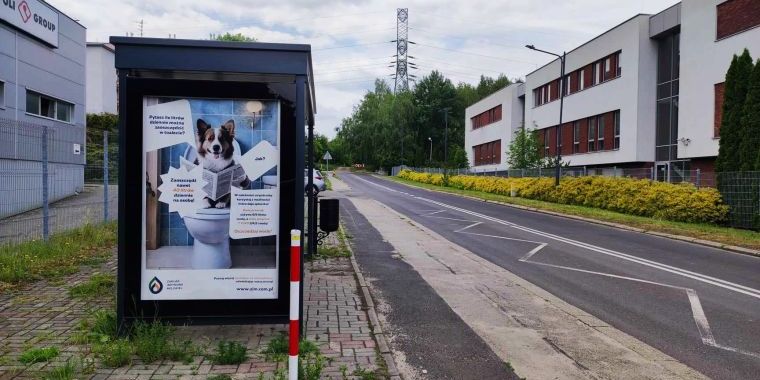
(446, 135)
(402, 48)
(141, 25)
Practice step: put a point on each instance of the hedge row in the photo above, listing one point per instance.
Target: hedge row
(676, 202)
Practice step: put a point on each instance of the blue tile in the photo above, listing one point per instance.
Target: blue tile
(178, 236)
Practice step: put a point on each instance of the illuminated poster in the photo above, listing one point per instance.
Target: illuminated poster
(211, 226)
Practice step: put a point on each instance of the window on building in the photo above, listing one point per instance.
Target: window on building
(736, 16)
(581, 79)
(598, 74)
(576, 137)
(45, 106)
(567, 84)
(488, 153)
(617, 63)
(485, 118)
(617, 130)
(591, 134)
(546, 142)
(600, 133)
(666, 119)
(720, 89)
(2, 94)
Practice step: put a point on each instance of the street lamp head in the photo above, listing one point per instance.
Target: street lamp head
(430, 139)
(530, 47)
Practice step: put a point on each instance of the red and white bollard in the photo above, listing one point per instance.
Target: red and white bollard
(295, 293)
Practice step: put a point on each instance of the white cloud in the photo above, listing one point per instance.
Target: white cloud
(495, 31)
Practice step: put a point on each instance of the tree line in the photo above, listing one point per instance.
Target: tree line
(387, 129)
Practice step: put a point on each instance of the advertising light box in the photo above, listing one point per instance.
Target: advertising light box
(211, 224)
(211, 163)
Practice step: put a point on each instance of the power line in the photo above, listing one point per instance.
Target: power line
(472, 53)
(431, 60)
(348, 46)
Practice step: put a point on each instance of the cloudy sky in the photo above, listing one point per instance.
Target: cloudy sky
(351, 39)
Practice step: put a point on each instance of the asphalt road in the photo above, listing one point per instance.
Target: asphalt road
(697, 304)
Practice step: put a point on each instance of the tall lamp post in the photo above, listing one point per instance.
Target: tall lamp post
(431, 149)
(561, 104)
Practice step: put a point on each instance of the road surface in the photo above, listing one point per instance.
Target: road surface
(699, 305)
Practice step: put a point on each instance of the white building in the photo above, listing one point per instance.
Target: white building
(101, 78)
(646, 93)
(608, 99)
(490, 125)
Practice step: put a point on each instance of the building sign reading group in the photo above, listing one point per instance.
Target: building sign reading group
(33, 17)
(211, 211)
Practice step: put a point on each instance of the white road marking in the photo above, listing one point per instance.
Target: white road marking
(698, 313)
(755, 293)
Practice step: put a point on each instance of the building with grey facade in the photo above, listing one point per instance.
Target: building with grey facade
(42, 94)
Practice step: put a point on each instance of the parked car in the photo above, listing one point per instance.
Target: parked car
(270, 181)
(318, 182)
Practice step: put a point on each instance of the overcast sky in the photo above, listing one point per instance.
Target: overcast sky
(351, 39)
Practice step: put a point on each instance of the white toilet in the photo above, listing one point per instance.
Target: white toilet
(210, 227)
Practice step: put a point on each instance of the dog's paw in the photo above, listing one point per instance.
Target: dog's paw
(221, 204)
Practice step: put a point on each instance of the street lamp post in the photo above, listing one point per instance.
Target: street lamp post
(431, 149)
(561, 105)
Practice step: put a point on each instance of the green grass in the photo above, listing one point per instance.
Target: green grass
(65, 372)
(228, 352)
(341, 250)
(723, 235)
(98, 285)
(115, 354)
(328, 184)
(276, 349)
(62, 255)
(38, 355)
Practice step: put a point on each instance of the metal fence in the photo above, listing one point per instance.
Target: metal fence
(739, 190)
(696, 177)
(48, 185)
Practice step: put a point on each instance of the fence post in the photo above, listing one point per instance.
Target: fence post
(539, 172)
(522, 173)
(614, 172)
(45, 195)
(585, 171)
(654, 173)
(105, 176)
(699, 177)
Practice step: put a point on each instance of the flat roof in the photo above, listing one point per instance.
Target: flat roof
(171, 54)
(592, 40)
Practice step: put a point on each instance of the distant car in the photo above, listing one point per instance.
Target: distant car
(318, 184)
(270, 181)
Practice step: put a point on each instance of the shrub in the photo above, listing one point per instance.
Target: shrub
(676, 202)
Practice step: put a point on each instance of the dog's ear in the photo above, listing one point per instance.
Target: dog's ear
(229, 126)
(202, 127)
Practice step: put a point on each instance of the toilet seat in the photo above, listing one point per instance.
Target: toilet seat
(211, 213)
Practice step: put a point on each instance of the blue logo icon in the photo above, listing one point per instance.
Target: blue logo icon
(155, 285)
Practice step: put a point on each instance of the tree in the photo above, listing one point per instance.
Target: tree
(735, 94)
(238, 37)
(749, 147)
(525, 150)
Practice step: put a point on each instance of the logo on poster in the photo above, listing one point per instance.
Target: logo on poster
(155, 286)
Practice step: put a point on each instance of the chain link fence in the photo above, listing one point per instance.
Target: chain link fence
(48, 186)
(740, 190)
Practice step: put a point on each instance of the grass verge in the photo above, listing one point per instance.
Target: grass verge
(723, 235)
(62, 255)
(341, 250)
(37, 355)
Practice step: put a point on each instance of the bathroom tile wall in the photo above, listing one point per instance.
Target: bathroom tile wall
(250, 129)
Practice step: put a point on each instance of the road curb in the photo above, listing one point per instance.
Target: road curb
(707, 243)
(382, 342)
